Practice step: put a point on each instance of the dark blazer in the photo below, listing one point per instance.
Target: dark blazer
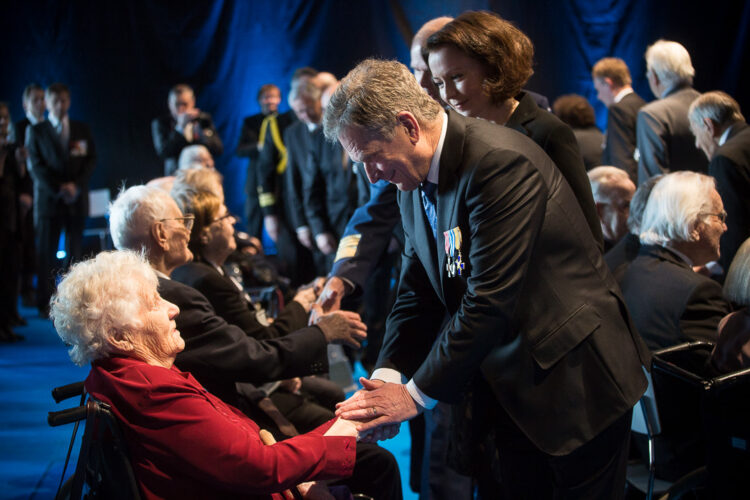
(558, 141)
(52, 165)
(590, 141)
(168, 142)
(234, 306)
(665, 142)
(272, 155)
(329, 186)
(219, 354)
(619, 257)
(26, 185)
(247, 146)
(730, 166)
(536, 313)
(620, 138)
(298, 141)
(669, 302)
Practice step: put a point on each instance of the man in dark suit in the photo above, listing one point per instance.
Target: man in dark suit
(722, 134)
(184, 125)
(671, 303)
(495, 244)
(663, 132)
(613, 190)
(613, 86)
(62, 158)
(269, 97)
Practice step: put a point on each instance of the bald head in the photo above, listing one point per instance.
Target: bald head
(418, 64)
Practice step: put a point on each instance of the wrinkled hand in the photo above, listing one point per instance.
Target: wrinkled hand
(315, 490)
(326, 243)
(343, 327)
(333, 292)
(291, 385)
(381, 433)
(304, 235)
(305, 296)
(271, 223)
(378, 405)
(342, 427)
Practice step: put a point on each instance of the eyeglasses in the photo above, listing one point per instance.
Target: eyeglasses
(187, 221)
(225, 216)
(722, 216)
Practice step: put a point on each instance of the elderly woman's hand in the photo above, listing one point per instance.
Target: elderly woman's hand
(342, 427)
(315, 490)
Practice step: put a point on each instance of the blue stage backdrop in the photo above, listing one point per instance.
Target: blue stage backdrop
(121, 58)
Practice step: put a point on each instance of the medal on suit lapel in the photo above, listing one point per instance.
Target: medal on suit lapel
(454, 264)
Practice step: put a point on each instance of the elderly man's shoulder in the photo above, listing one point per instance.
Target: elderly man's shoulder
(664, 268)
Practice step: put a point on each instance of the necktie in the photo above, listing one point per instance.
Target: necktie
(428, 202)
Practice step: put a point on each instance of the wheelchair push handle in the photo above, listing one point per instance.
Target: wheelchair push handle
(67, 391)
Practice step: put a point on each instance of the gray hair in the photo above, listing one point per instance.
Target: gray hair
(189, 156)
(638, 203)
(99, 299)
(133, 213)
(606, 180)
(192, 181)
(670, 61)
(304, 89)
(675, 207)
(737, 283)
(372, 95)
(717, 106)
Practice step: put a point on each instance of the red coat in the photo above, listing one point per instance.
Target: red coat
(186, 443)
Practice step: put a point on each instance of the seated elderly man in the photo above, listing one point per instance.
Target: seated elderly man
(183, 441)
(194, 156)
(612, 190)
(681, 228)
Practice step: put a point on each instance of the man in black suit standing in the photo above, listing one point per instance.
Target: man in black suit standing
(62, 158)
(503, 293)
(722, 134)
(269, 98)
(184, 125)
(613, 86)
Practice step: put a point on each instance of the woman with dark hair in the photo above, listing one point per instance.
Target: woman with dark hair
(480, 62)
(575, 110)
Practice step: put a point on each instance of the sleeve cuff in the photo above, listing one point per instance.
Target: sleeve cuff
(388, 375)
(420, 397)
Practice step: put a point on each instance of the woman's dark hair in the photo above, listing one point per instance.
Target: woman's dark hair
(574, 110)
(505, 51)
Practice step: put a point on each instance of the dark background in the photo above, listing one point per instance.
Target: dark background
(120, 58)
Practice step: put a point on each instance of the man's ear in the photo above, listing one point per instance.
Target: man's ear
(409, 122)
(608, 81)
(600, 209)
(711, 126)
(159, 234)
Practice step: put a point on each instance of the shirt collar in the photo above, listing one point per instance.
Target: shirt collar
(161, 274)
(33, 119)
(725, 135)
(54, 121)
(433, 174)
(312, 127)
(623, 93)
(680, 255)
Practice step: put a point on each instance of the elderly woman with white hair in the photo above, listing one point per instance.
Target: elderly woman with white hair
(681, 227)
(183, 441)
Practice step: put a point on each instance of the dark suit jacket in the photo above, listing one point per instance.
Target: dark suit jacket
(536, 313)
(298, 141)
(619, 257)
(26, 183)
(248, 143)
(558, 141)
(234, 307)
(329, 186)
(219, 354)
(730, 166)
(669, 302)
(665, 142)
(590, 141)
(269, 180)
(52, 165)
(620, 141)
(168, 142)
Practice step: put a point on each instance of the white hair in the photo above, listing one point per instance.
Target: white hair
(607, 182)
(675, 206)
(99, 299)
(670, 61)
(133, 213)
(190, 156)
(718, 107)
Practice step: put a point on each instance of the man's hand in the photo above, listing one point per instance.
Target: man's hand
(326, 243)
(292, 385)
(69, 192)
(333, 292)
(271, 223)
(381, 403)
(315, 490)
(304, 235)
(184, 118)
(343, 327)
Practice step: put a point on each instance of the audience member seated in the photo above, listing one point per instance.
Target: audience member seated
(722, 134)
(612, 190)
(671, 303)
(619, 257)
(184, 125)
(495, 61)
(183, 441)
(612, 82)
(732, 350)
(195, 156)
(576, 111)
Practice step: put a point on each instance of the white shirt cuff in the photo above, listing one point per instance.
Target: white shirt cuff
(395, 377)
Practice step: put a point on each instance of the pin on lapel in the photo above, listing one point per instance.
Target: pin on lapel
(454, 263)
